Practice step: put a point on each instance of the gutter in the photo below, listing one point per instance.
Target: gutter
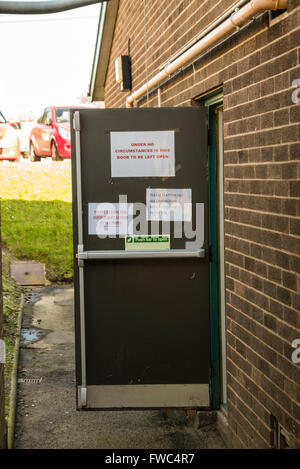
(106, 28)
(38, 8)
(97, 48)
(236, 20)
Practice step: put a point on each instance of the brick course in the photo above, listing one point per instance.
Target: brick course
(255, 67)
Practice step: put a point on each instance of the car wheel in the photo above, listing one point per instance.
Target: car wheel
(32, 156)
(54, 152)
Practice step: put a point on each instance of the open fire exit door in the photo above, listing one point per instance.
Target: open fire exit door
(140, 217)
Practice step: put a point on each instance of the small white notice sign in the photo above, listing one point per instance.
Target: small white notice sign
(169, 204)
(143, 154)
(108, 219)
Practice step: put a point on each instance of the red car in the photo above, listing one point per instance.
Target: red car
(50, 135)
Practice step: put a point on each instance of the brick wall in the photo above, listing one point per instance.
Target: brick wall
(256, 68)
(2, 418)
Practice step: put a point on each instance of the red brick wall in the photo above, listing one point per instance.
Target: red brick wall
(2, 418)
(256, 68)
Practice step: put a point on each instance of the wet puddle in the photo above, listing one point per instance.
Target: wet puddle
(30, 335)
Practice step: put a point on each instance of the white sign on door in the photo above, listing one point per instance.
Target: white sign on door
(108, 219)
(169, 204)
(143, 154)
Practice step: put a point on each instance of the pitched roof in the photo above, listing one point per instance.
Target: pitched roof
(106, 28)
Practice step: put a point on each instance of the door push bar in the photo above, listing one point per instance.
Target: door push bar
(174, 253)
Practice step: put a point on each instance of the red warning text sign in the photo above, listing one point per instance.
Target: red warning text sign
(142, 154)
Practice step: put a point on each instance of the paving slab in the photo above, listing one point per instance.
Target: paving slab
(46, 409)
(28, 273)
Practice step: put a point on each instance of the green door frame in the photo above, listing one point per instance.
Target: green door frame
(212, 102)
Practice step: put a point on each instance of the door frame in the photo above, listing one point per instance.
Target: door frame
(129, 396)
(212, 101)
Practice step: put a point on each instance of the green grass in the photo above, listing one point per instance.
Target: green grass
(36, 212)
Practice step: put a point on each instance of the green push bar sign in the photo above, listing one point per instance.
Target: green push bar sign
(147, 243)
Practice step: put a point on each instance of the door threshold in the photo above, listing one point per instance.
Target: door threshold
(142, 396)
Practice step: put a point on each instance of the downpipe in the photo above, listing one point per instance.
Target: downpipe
(256, 7)
(235, 21)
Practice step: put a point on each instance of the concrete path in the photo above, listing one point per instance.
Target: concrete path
(46, 413)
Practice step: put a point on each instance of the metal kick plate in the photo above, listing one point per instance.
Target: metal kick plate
(28, 273)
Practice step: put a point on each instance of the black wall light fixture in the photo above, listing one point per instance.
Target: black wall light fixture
(123, 72)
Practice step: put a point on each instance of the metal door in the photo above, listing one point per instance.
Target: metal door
(142, 315)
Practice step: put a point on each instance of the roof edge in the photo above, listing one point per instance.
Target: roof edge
(105, 34)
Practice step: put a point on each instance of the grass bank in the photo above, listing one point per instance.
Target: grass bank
(36, 212)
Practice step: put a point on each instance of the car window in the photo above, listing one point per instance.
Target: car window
(43, 118)
(49, 115)
(39, 120)
(62, 115)
(46, 115)
(2, 118)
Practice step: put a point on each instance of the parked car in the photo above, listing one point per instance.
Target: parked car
(9, 141)
(23, 134)
(50, 136)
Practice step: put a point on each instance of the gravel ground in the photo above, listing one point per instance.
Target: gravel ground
(46, 413)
